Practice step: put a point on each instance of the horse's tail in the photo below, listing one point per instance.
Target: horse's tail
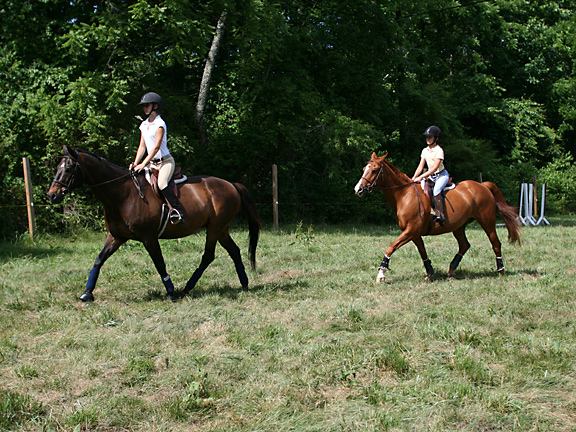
(508, 213)
(249, 209)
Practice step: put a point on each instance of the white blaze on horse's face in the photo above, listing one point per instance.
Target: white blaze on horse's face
(364, 174)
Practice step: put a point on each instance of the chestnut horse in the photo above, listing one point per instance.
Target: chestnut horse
(133, 211)
(468, 201)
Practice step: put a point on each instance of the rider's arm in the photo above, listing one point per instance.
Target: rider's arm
(419, 169)
(431, 171)
(140, 152)
(151, 154)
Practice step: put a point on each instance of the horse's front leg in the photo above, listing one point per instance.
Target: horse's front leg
(424, 255)
(155, 252)
(111, 245)
(406, 236)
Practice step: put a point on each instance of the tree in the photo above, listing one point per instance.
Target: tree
(312, 86)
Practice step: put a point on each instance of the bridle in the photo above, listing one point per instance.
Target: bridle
(67, 186)
(373, 184)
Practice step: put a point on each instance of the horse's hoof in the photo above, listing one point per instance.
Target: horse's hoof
(501, 272)
(429, 278)
(87, 297)
(381, 279)
(172, 297)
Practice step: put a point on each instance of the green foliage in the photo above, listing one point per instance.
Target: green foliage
(560, 178)
(311, 87)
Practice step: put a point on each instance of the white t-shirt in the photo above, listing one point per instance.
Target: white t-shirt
(431, 155)
(149, 133)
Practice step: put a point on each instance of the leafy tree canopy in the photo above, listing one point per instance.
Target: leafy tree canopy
(314, 87)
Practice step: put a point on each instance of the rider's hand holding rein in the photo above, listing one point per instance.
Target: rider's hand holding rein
(418, 178)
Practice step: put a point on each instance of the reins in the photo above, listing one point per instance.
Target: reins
(77, 169)
(110, 181)
(137, 184)
(372, 185)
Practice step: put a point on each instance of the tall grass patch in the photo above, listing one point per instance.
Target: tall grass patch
(313, 345)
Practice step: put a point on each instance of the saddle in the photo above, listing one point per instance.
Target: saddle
(428, 188)
(177, 178)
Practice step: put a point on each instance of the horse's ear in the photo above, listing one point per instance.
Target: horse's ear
(70, 152)
(374, 155)
(385, 155)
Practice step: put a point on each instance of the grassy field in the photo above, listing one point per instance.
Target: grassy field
(314, 344)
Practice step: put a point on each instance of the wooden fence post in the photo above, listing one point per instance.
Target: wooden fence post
(29, 197)
(275, 195)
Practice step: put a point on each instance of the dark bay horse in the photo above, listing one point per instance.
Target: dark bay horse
(133, 211)
(469, 201)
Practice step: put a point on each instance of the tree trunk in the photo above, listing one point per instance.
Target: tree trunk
(205, 84)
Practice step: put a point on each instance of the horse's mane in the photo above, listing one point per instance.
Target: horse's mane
(396, 171)
(100, 158)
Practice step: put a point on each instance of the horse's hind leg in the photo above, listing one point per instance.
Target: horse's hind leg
(490, 230)
(155, 252)
(207, 258)
(463, 246)
(424, 255)
(234, 252)
(111, 245)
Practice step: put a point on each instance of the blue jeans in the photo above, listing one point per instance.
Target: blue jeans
(440, 181)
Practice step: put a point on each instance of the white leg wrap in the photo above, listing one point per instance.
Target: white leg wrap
(381, 274)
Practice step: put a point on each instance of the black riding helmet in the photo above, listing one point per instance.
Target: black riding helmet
(152, 98)
(433, 131)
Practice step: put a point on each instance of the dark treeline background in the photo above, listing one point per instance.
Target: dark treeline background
(312, 86)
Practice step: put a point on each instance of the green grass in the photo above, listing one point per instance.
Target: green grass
(314, 344)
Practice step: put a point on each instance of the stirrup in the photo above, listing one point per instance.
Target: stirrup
(175, 217)
(439, 219)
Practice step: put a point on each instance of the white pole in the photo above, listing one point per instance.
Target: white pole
(542, 204)
(522, 194)
(529, 204)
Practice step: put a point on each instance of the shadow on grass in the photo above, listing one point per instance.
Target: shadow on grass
(10, 251)
(470, 275)
(467, 275)
(231, 292)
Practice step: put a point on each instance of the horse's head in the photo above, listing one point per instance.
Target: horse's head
(371, 175)
(68, 176)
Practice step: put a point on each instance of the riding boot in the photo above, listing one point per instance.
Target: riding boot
(176, 215)
(439, 209)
